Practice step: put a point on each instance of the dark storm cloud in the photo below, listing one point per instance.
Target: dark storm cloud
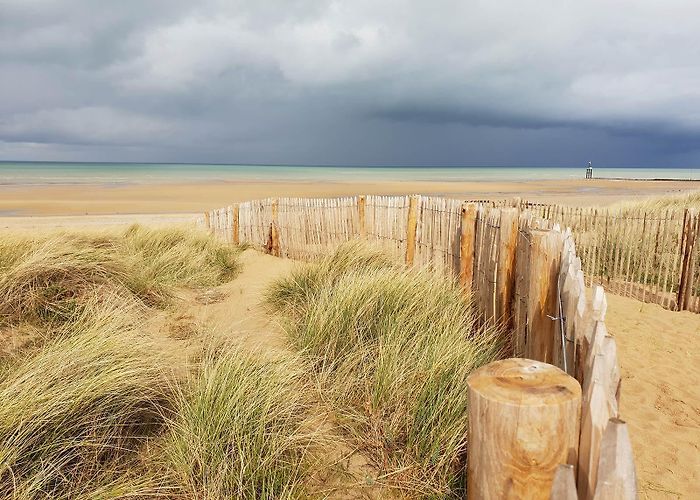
(315, 81)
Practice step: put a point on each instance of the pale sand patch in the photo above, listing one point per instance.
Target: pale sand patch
(197, 197)
(659, 354)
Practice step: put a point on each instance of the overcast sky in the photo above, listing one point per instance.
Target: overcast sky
(431, 82)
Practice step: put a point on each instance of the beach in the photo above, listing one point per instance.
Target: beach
(103, 198)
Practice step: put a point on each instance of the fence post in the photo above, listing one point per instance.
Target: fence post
(617, 477)
(524, 422)
(466, 246)
(564, 484)
(207, 220)
(542, 309)
(506, 265)
(411, 230)
(361, 203)
(235, 223)
(687, 247)
(273, 242)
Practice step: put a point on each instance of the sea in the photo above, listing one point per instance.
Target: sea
(57, 173)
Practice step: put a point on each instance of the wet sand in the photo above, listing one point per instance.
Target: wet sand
(196, 197)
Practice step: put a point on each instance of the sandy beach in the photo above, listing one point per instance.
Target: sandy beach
(185, 198)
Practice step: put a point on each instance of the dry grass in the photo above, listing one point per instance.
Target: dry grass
(392, 349)
(241, 429)
(680, 201)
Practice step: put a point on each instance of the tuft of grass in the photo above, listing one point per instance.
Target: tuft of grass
(76, 412)
(49, 280)
(679, 201)
(241, 429)
(392, 349)
(295, 290)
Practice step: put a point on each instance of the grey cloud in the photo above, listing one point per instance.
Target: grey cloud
(315, 81)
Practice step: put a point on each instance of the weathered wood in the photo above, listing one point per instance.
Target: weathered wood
(524, 421)
(545, 258)
(564, 484)
(273, 245)
(466, 246)
(361, 214)
(411, 230)
(508, 242)
(207, 220)
(617, 478)
(686, 270)
(595, 413)
(235, 225)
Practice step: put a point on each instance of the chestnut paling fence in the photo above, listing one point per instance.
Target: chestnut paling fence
(525, 273)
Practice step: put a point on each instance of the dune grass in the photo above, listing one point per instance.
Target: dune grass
(76, 412)
(392, 349)
(241, 429)
(48, 279)
(679, 201)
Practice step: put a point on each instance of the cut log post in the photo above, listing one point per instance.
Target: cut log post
(564, 484)
(617, 478)
(545, 262)
(235, 225)
(466, 246)
(411, 230)
(505, 279)
(361, 213)
(524, 422)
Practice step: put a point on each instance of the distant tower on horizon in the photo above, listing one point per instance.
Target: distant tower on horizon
(589, 171)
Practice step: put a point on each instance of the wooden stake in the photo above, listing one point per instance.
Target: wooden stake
(545, 262)
(687, 247)
(564, 484)
(207, 220)
(274, 240)
(411, 230)
(506, 265)
(524, 422)
(235, 225)
(617, 478)
(361, 203)
(466, 246)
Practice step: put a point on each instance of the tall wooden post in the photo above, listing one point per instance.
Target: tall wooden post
(505, 278)
(688, 239)
(411, 230)
(542, 305)
(361, 204)
(523, 422)
(273, 242)
(207, 220)
(466, 246)
(235, 225)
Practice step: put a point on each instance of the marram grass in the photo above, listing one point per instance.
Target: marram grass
(75, 413)
(241, 429)
(392, 349)
(48, 279)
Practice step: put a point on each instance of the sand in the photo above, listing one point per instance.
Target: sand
(197, 197)
(659, 353)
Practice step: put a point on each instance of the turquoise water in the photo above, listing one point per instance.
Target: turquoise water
(44, 173)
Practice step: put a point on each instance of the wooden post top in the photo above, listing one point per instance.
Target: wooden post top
(524, 382)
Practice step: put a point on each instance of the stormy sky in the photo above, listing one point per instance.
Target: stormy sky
(354, 82)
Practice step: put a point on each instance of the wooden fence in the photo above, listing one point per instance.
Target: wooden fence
(525, 274)
(652, 256)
